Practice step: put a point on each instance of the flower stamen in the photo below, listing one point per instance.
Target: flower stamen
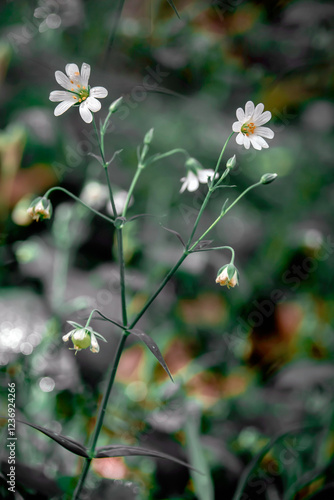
(248, 128)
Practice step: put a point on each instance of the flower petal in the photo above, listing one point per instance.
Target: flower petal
(63, 106)
(264, 118)
(240, 114)
(258, 110)
(236, 127)
(249, 109)
(184, 180)
(93, 104)
(193, 182)
(85, 113)
(255, 143)
(59, 95)
(85, 74)
(63, 80)
(265, 132)
(246, 142)
(72, 71)
(262, 142)
(98, 92)
(203, 174)
(240, 139)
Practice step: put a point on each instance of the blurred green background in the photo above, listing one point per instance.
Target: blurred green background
(250, 363)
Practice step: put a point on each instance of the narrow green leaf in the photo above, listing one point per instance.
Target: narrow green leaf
(174, 232)
(153, 348)
(171, 3)
(224, 206)
(74, 324)
(202, 244)
(128, 451)
(204, 489)
(67, 443)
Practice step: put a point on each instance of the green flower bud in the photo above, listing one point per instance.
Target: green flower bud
(268, 178)
(114, 106)
(231, 162)
(148, 137)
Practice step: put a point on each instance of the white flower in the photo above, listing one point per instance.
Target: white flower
(223, 278)
(250, 127)
(193, 179)
(40, 209)
(77, 92)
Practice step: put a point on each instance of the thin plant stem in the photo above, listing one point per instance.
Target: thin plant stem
(222, 214)
(58, 188)
(100, 417)
(211, 189)
(162, 285)
(131, 189)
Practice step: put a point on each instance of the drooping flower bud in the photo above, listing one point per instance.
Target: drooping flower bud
(40, 209)
(83, 337)
(228, 275)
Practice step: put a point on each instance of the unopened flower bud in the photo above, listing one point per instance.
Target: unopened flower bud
(114, 106)
(40, 209)
(83, 337)
(228, 275)
(231, 162)
(268, 178)
(148, 137)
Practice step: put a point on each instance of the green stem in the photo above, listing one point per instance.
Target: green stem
(169, 153)
(223, 213)
(58, 188)
(162, 285)
(90, 317)
(222, 153)
(211, 189)
(101, 414)
(131, 189)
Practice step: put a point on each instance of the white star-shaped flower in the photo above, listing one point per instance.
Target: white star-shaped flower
(250, 127)
(77, 92)
(193, 179)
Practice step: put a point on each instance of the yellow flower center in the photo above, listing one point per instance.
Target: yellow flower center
(81, 93)
(248, 128)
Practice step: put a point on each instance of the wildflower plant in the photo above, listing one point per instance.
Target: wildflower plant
(250, 132)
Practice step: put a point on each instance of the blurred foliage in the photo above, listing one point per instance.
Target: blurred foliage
(253, 366)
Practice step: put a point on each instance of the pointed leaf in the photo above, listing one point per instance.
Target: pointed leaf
(67, 443)
(114, 156)
(174, 232)
(74, 324)
(171, 3)
(105, 318)
(224, 206)
(225, 186)
(202, 244)
(153, 348)
(98, 158)
(134, 217)
(128, 451)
